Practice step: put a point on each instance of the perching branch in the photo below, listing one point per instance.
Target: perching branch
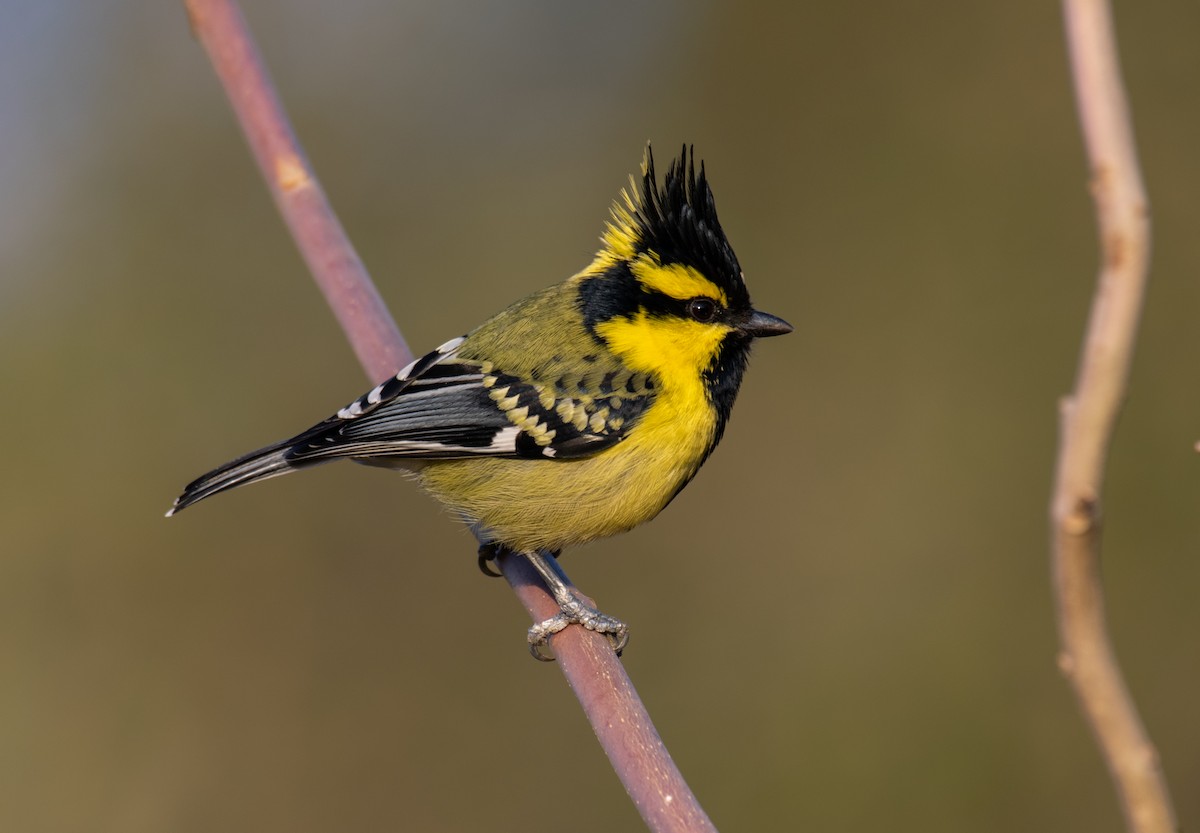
(1089, 415)
(593, 671)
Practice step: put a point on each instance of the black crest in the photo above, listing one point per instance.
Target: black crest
(678, 223)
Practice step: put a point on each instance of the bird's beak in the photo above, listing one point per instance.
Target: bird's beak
(763, 324)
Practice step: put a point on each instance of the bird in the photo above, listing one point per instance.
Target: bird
(576, 413)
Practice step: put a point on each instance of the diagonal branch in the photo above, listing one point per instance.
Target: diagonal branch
(594, 673)
(1089, 416)
(322, 241)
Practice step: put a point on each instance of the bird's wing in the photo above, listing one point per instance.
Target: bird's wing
(445, 407)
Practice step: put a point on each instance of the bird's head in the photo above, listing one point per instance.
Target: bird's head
(666, 292)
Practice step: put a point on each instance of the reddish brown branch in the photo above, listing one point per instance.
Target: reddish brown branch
(594, 673)
(331, 258)
(1089, 415)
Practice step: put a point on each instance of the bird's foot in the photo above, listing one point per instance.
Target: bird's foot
(573, 611)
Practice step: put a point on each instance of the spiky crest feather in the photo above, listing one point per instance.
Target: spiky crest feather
(676, 223)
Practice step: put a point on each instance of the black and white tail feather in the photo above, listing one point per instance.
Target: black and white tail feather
(415, 430)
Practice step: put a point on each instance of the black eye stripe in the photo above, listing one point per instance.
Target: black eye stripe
(617, 292)
(698, 308)
(661, 304)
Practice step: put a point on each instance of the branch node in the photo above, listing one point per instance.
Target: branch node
(291, 174)
(1083, 516)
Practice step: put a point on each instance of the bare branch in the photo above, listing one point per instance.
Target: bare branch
(593, 671)
(331, 258)
(1089, 415)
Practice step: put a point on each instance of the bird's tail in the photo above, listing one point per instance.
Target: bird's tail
(258, 465)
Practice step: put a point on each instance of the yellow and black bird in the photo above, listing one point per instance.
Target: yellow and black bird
(576, 413)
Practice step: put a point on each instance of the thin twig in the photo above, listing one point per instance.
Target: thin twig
(1089, 415)
(594, 673)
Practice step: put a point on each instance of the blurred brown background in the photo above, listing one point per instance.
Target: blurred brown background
(845, 622)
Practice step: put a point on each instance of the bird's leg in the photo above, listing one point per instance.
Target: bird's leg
(573, 610)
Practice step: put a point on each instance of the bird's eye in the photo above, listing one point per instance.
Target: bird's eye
(702, 309)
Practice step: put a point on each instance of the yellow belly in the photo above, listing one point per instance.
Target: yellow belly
(550, 504)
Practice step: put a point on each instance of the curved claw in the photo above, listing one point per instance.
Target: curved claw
(537, 649)
(488, 553)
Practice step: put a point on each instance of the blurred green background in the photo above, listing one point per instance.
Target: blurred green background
(843, 624)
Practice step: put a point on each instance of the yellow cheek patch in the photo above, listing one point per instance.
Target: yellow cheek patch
(669, 348)
(675, 280)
